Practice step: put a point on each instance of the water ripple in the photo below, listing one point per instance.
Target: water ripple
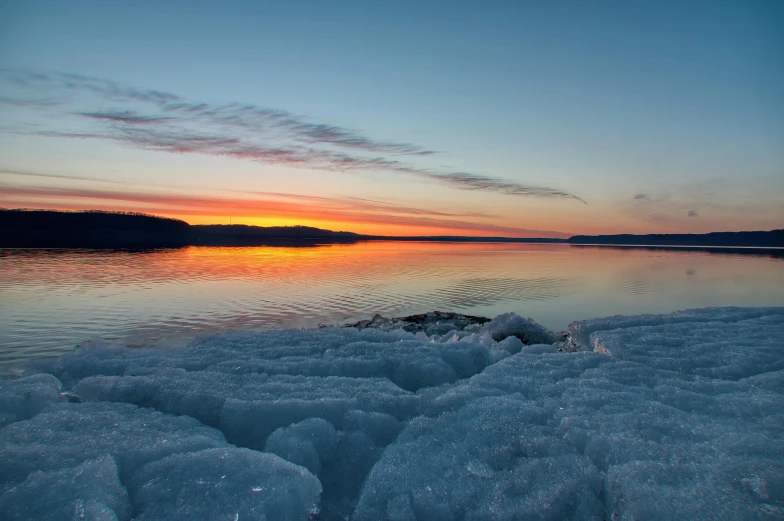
(51, 300)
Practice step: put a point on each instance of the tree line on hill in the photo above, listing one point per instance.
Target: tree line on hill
(98, 229)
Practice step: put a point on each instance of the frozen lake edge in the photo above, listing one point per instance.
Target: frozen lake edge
(642, 417)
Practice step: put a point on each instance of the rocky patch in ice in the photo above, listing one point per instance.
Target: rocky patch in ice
(658, 417)
(435, 323)
(439, 326)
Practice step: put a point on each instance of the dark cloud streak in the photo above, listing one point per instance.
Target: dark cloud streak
(303, 157)
(128, 117)
(233, 130)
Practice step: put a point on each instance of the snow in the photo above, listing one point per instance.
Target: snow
(651, 417)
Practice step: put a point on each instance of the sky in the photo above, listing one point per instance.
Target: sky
(520, 119)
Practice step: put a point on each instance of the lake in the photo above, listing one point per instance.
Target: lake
(52, 300)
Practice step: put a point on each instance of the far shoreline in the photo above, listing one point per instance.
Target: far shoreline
(120, 230)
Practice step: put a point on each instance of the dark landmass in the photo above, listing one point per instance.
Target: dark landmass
(458, 238)
(770, 239)
(121, 230)
(243, 235)
(759, 251)
(52, 229)
(93, 229)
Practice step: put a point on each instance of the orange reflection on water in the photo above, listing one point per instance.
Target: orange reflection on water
(392, 260)
(52, 299)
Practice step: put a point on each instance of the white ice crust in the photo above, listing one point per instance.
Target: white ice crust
(653, 417)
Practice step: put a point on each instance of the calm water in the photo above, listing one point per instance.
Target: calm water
(51, 300)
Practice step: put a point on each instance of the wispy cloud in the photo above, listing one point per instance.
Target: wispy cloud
(22, 102)
(477, 182)
(127, 117)
(240, 116)
(170, 123)
(692, 213)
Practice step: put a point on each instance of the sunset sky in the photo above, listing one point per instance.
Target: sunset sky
(472, 118)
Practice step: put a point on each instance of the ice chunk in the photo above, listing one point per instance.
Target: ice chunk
(68, 434)
(225, 483)
(308, 443)
(662, 427)
(702, 348)
(512, 324)
(492, 459)
(247, 408)
(661, 490)
(380, 428)
(580, 332)
(397, 356)
(24, 398)
(90, 491)
(341, 459)
(538, 349)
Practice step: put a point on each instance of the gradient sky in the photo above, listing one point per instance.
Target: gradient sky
(478, 118)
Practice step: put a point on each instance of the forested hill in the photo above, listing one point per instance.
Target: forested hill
(769, 239)
(91, 229)
(243, 235)
(94, 229)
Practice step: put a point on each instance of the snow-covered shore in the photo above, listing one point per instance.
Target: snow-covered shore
(676, 416)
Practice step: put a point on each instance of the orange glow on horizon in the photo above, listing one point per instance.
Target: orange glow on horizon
(365, 228)
(366, 224)
(360, 216)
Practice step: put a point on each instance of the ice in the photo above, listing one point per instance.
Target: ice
(654, 417)
(494, 458)
(247, 408)
(397, 356)
(512, 324)
(24, 398)
(225, 483)
(650, 427)
(580, 332)
(701, 348)
(309, 443)
(90, 491)
(68, 434)
(340, 458)
(81, 458)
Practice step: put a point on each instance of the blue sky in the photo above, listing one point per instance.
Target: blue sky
(661, 116)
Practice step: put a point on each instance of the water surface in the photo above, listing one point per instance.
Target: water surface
(52, 300)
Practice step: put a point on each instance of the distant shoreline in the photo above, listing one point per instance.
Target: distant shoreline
(108, 230)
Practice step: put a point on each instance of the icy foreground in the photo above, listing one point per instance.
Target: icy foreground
(675, 416)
